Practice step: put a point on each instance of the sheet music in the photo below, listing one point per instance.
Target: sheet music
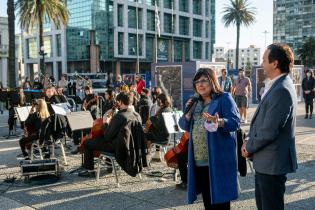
(23, 112)
(171, 120)
(61, 109)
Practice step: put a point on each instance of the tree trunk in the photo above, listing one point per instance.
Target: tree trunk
(237, 45)
(41, 38)
(11, 62)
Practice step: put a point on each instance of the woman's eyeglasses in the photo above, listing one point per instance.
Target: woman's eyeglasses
(201, 82)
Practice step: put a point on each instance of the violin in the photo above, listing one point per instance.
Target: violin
(96, 131)
(170, 156)
(87, 105)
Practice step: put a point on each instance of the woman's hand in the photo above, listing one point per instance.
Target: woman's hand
(209, 118)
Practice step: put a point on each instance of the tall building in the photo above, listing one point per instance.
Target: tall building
(247, 56)
(111, 35)
(293, 20)
(4, 50)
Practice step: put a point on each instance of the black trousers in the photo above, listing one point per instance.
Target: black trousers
(27, 140)
(97, 144)
(182, 160)
(202, 184)
(269, 191)
(309, 105)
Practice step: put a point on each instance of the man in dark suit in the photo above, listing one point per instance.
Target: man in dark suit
(271, 141)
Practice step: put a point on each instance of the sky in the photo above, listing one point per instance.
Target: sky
(226, 37)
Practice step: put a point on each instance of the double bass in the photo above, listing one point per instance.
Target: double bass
(170, 156)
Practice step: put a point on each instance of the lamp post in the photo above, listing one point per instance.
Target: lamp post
(42, 60)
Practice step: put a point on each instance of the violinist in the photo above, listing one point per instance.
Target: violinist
(90, 102)
(38, 114)
(155, 129)
(112, 127)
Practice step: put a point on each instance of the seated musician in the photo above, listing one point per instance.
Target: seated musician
(60, 123)
(111, 130)
(38, 114)
(155, 130)
(144, 105)
(90, 102)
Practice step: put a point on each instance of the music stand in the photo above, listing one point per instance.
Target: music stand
(23, 112)
(80, 121)
(171, 123)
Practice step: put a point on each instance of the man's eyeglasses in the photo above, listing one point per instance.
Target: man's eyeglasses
(201, 82)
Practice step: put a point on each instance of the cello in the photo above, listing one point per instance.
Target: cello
(170, 156)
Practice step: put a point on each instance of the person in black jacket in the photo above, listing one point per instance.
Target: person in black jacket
(144, 105)
(308, 86)
(38, 114)
(112, 129)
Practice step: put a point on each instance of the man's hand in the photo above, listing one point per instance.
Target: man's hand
(245, 154)
(106, 120)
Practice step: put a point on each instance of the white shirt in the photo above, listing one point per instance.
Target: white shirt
(222, 84)
(269, 84)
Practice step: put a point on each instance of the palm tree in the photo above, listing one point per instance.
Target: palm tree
(11, 60)
(238, 13)
(307, 52)
(33, 12)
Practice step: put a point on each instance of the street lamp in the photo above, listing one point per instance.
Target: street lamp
(42, 60)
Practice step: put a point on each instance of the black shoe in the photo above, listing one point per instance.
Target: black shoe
(310, 116)
(306, 116)
(87, 174)
(181, 186)
(47, 156)
(109, 170)
(75, 151)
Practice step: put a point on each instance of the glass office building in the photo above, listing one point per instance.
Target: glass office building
(118, 32)
(293, 21)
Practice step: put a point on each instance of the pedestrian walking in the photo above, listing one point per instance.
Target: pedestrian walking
(308, 87)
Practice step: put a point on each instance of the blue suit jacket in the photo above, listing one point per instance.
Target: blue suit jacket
(221, 152)
(272, 130)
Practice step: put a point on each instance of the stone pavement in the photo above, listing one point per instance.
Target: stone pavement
(73, 192)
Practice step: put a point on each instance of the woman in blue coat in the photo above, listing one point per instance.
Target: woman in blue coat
(212, 167)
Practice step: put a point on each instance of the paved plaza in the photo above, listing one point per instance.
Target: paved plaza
(152, 192)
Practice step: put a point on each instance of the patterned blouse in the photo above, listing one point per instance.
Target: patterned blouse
(199, 135)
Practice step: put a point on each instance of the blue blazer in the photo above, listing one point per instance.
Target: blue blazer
(221, 150)
(272, 130)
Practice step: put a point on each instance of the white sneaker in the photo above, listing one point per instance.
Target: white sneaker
(245, 121)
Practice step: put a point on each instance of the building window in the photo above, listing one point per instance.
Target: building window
(197, 50)
(58, 37)
(183, 5)
(132, 18)
(48, 46)
(120, 43)
(207, 8)
(120, 15)
(207, 29)
(132, 44)
(149, 48)
(207, 50)
(197, 28)
(197, 7)
(150, 20)
(168, 23)
(152, 2)
(183, 25)
(32, 48)
(178, 51)
(168, 4)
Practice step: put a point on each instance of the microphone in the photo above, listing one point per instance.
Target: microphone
(194, 99)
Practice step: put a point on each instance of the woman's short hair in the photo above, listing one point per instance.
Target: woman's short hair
(212, 77)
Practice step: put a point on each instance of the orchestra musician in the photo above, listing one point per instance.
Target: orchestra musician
(155, 130)
(111, 129)
(38, 114)
(90, 102)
